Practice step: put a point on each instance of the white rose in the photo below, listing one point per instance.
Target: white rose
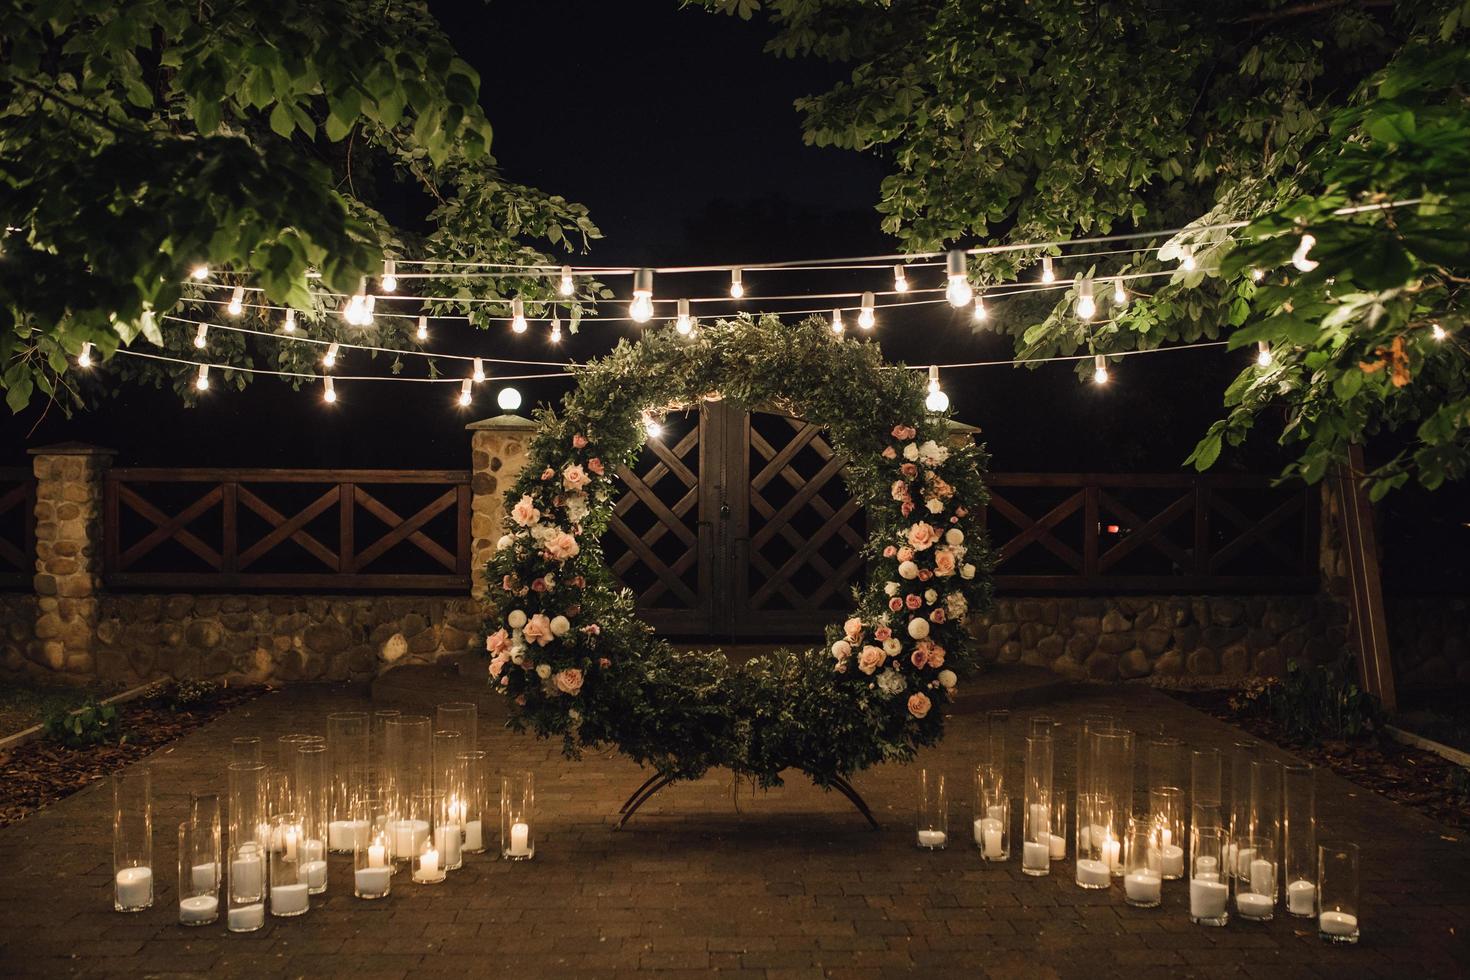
(955, 605)
(911, 452)
(842, 649)
(505, 542)
(947, 678)
(577, 506)
(893, 646)
(933, 453)
(908, 569)
(517, 654)
(516, 619)
(954, 536)
(930, 595)
(891, 588)
(890, 682)
(560, 625)
(967, 572)
(550, 581)
(918, 628)
(543, 671)
(934, 505)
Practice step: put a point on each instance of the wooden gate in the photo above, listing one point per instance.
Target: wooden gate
(737, 524)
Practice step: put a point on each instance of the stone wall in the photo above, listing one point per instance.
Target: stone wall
(1427, 637)
(1166, 636)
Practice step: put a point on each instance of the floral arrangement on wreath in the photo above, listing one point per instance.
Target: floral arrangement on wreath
(566, 643)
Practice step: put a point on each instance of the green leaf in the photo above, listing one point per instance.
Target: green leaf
(281, 122)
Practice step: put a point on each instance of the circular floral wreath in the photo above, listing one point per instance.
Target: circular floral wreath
(568, 647)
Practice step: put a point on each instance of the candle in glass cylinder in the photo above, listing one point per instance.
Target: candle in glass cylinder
(1337, 924)
(1035, 855)
(315, 873)
(927, 838)
(1250, 905)
(1207, 898)
(1058, 847)
(447, 843)
(135, 887)
(246, 877)
(204, 877)
(377, 856)
(1112, 854)
(1301, 898)
(246, 918)
(1143, 888)
(473, 836)
(520, 839)
(1093, 874)
(198, 910)
(372, 882)
(428, 869)
(289, 899)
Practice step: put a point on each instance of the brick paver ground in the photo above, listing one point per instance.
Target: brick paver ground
(791, 885)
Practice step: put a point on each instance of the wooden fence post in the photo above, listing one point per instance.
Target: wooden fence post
(1350, 563)
(497, 456)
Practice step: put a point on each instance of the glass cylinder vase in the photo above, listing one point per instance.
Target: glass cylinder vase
(1204, 781)
(931, 811)
(410, 772)
(1083, 801)
(347, 760)
(1209, 893)
(1265, 817)
(248, 819)
(372, 855)
(1337, 892)
(997, 727)
(1166, 815)
(1036, 835)
(199, 861)
(1143, 886)
(290, 891)
(462, 717)
(517, 816)
(132, 839)
(1255, 879)
(449, 796)
(1299, 839)
(312, 806)
(1238, 817)
(245, 886)
(427, 865)
(1111, 775)
(476, 806)
(245, 748)
(992, 828)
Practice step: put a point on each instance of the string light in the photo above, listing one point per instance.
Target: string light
(641, 309)
(566, 287)
(423, 331)
(330, 358)
(937, 401)
(329, 391)
(737, 285)
(290, 325)
(900, 279)
(1100, 369)
(202, 381)
(389, 279)
(1257, 275)
(956, 265)
(1086, 304)
(201, 336)
(1263, 354)
(981, 314)
(682, 322)
(1120, 292)
(1299, 257)
(237, 302)
(84, 356)
(479, 372)
(509, 399)
(464, 391)
(1048, 271)
(837, 325)
(555, 329)
(865, 315)
(199, 273)
(1437, 331)
(518, 315)
(651, 426)
(366, 316)
(1186, 258)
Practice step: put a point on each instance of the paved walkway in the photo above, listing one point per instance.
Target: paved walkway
(792, 885)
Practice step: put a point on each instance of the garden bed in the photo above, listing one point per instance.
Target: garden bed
(42, 771)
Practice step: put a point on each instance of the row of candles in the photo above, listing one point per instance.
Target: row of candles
(396, 792)
(1263, 837)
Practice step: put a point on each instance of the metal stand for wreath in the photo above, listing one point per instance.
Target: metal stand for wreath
(658, 781)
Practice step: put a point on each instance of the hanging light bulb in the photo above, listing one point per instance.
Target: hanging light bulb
(837, 325)
(330, 359)
(865, 315)
(1186, 258)
(937, 401)
(199, 272)
(518, 315)
(237, 302)
(1257, 275)
(479, 372)
(1086, 304)
(1437, 331)
(958, 292)
(981, 314)
(290, 325)
(641, 309)
(84, 356)
(566, 287)
(509, 399)
(202, 381)
(1120, 292)
(366, 315)
(1299, 257)
(464, 391)
(201, 336)
(1100, 369)
(423, 331)
(555, 328)
(683, 322)
(389, 279)
(652, 426)
(351, 309)
(1048, 272)
(900, 279)
(329, 390)
(1263, 354)
(737, 285)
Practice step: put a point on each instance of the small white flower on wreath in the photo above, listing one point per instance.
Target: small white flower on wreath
(911, 452)
(967, 572)
(891, 682)
(955, 605)
(577, 507)
(934, 505)
(892, 588)
(932, 453)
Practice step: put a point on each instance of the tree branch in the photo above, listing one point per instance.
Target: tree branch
(1309, 7)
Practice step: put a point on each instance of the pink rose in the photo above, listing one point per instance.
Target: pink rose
(524, 512)
(943, 562)
(909, 470)
(504, 679)
(890, 453)
(936, 655)
(592, 629)
(497, 667)
(498, 642)
(937, 616)
(508, 584)
(899, 490)
(595, 465)
(568, 681)
(538, 630)
(603, 662)
(574, 477)
(919, 705)
(579, 441)
(889, 551)
(539, 585)
(882, 633)
(920, 657)
(853, 629)
(562, 546)
(905, 554)
(913, 601)
(520, 698)
(870, 659)
(922, 536)
(906, 508)
(903, 433)
(925, 575)
(548, 473)
(895, 604)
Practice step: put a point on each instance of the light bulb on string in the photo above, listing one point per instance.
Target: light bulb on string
(566, 286)
(237, 302)
(202, 380)
(423, 331)
(518, 315)
(479, 372)
(509, 399)
(330, 359)
(1437, 332)
(464, 391)
(837, 325)
(957, 268)
(555, 328)
(683, 322)
(389, 279)
(1257, 275)
(652, 426)
(1263, 354)
(1086, 304)
(1120, 292)
(1186, 258)
(329, 390)
(900, 279)
(1100, 369)
(980, 314)
(289, 326)
(366, 316)
(865, 315)
(936, 401)
(1048, 271)
(201, 336)
(641, 309)
(737, 284)
(1299, 257)
(199, 273)
(84, 356)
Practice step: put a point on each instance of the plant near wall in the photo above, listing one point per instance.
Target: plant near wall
(1317, 701)
(90, 724)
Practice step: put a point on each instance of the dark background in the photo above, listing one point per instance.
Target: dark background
(678, 133)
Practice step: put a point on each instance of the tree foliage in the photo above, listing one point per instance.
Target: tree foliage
(139, 138)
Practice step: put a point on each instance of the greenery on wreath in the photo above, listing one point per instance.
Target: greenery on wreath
(569, 648)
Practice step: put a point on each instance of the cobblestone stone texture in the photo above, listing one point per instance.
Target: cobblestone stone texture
(709, 883)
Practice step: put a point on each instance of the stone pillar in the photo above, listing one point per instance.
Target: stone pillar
(68, 580)
(497, 455)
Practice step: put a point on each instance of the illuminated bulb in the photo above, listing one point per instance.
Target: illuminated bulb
(981, 314)
(641, 309)
(1086, 304)
(737, 286)
(1186, 258)
(423, 331)
(84, 358)
(958, 292)
(389, 279)
(202, 382)
(1048, 274)
(652, 426)
(1120, 292)
(351, 310)
(329, 391)
(837, 325)
(1100, 369)
(900, 280)
(479, 373)
(566, 287)
(509, 399)
(200, 272)
(366, 315)
(937, 401)
(464, 391)
(1437, 332)
(683, 322)
(1263, 354)
(555, 329)
(290, 325)
(237, 301)
(1299, 257)
(330, 359)
(201, 336)
(518, 315)
(865, 315)
(1257, 275)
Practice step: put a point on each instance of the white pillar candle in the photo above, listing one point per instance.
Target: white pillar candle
(135, 887)
(473, 839)
(991, 839)
(1263, 878)
(1112, 854)
(198, 909)
(289, 899)
(377, 855)
(288, 842)
(1206, 864)
(1207, 898)
(1036, 856)
(1093, 873)
(1143, 888)
(315, 873)
(246, 918)
(205, 877)
(313, 850)
(447, 842)
(520, 840)
(344, 835)
(1058, 847)
(409, 836)
(1301, 898)
(1039, 817)
(372, 882)
(1253, 906)
(927, 838)
(1171, 861)
(428, 869)
(1084, 838)
(1243, 858)
(1166, 836)
(1337, 924)
(246, 876)
(996, 811)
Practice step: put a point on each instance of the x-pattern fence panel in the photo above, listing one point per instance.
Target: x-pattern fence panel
(347, 529)
(17, 527)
